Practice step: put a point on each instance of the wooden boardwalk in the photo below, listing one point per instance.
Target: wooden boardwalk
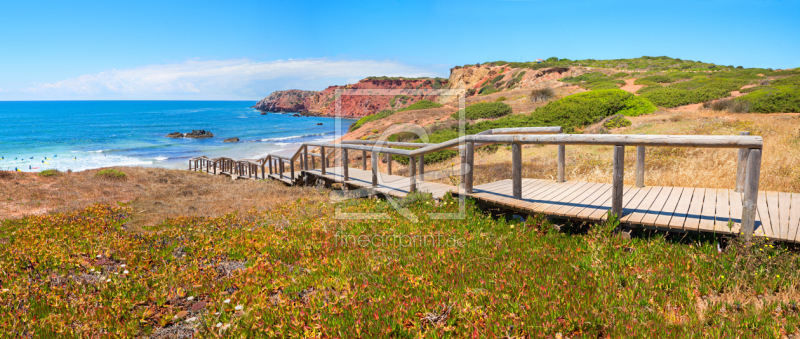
(656, 207)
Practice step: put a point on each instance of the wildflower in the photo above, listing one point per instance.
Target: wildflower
(123, 265)
(722, 277)
(778, 276)
(190, 298)
(125, 272)
(512, 226)
(99, 255)
(239, 307)
(108, 280)
(227, 301)
(219, 324)
(92, 270)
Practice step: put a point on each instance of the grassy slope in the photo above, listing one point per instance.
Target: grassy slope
(297, 271)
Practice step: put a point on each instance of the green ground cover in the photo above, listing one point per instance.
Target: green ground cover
(593, 81)
(690, 92)
(297, 271)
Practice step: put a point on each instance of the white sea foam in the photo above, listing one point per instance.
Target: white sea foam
(161, 158)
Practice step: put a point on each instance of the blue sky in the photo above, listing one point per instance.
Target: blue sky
(213, 50)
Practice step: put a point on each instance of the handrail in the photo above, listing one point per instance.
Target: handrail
(748, 166)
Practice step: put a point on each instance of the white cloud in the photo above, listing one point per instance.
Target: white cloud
(217, 79)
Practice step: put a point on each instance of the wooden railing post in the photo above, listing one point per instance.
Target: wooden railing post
(640, 166)
(313, 162)
(345, 164)
(305, 158)
(470, 167)
(190, 165)
(751, 192)
(280, 165)
(375, 168)
(322, 160)
(741, 167)
(412, 175)
(388, 162)
(263, 174)
(364, 160)
(422, 167)
(291, 170)
(562, 154)
(516, 169)
(215, 168)
(270, 165)
(618, 176)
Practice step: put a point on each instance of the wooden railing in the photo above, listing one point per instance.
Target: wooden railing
(748, 165)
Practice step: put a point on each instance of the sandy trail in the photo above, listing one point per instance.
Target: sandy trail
(630, 87)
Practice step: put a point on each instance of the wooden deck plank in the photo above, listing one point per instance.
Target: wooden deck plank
(736, 211)
(578, 199)
(602, 212)
(709, 207)
(655, 209)
(695, 209)
(585, 212)
(794, 217)
(631, 200)
(774, 213)
(682, 210)
(784, 206)
(722, 215)
(669, 208)
(540, 203)
(578, 209)
(639, 211)
(565, 200)
(763, 214)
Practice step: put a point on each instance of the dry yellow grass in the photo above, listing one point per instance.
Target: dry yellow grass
(154, 193)
(683, 167)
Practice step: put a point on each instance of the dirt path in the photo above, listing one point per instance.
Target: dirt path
(630, 87)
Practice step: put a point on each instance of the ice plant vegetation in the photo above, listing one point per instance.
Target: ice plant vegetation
(483, 279)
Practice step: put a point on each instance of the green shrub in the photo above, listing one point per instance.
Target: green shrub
(594, 81)
(646, 83)
(620, 75)
(485, 110)
(542, 94)
(690, 92)
(654, 78)
(422, 104)
(617, 121)
(500, 99)
(774, 99)
(497, 78)
(110, 173)
(488, 89)
(49, 173)
(372, 117)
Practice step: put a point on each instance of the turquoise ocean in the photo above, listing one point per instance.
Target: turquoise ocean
(80, 135)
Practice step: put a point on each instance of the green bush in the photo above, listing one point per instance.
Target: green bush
(49, 173)
(774, 99)
(729, 105)
(500, 99)
(571, 113)
(654, 78)
(372, 117)
(646, 83)
(594, 81)
(110, 173)
(617, 121)
(422, 104)
(485, 110)
(620, 75)
(690, 92)
(488, 89)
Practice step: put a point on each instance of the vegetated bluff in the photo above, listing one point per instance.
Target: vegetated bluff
(476, 79)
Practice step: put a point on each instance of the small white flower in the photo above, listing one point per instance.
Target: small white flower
(99, 255)
(227, 301)
(219, 324)
(125, 272)
(190, 298)
(217, 313)
(239, 307)
(123, 265)
(92, 270)
(108, 280)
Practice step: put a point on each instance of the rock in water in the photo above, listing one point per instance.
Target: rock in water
(199, 134)
(319, 124)
(234, 139)
(295, 115)
(175, 135)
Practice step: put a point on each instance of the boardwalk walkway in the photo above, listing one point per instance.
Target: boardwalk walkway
(743, 210)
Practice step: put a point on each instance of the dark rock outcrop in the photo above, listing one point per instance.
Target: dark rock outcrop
(199, 134)
(234, 139)
(175, 135)
(319, 124)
